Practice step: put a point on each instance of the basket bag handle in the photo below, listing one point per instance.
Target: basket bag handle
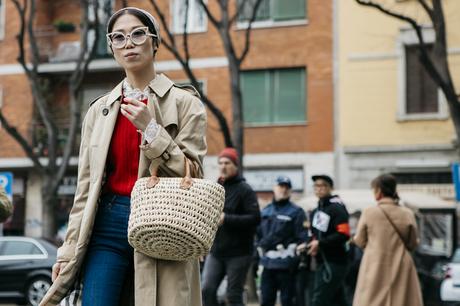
(185, 183)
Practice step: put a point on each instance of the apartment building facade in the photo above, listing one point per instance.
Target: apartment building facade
(390, 115)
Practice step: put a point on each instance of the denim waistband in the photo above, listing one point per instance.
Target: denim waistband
(116, 199)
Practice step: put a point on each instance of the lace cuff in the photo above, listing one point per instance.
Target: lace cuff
(151, 131)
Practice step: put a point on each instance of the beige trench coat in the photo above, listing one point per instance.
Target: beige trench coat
(183, 120)
(387, 275)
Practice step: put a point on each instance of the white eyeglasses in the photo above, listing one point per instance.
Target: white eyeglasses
(137, 36)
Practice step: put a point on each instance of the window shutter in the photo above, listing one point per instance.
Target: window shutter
(263, 11)
(255, 87)
(289, 95)
(421, 90)
(288, 9)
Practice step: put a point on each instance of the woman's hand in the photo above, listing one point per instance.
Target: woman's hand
(136, 112)
(57, 268)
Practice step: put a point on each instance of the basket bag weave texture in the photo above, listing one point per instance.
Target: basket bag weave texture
(174, 218)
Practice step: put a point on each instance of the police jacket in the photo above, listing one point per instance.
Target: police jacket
(278, 234)
(235, 237)
(330, 227)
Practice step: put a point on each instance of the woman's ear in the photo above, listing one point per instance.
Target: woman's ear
(378, 194)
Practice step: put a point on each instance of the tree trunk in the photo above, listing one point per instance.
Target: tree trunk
(237, 110)
(49, 199)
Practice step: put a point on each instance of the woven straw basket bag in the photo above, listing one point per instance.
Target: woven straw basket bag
(174, 218)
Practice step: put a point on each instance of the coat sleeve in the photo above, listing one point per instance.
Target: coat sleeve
(67, 250)
(301, 232)
(413, 240)
(6, 208)
(360, 239)
(189, 143)
(249, 216)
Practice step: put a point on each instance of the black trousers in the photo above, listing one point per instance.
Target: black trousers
(274, 280)
(214, 271)
(329, 289)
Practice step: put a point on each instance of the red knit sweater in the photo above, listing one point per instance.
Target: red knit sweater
(123, 157)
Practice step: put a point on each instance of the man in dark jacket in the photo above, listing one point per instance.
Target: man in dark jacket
(278, 234)
(233, 247)
(331, 232)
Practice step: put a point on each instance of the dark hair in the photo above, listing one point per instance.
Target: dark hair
(386, 183)
(144, 19)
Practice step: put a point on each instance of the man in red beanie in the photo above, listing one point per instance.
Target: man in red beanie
(233, 247)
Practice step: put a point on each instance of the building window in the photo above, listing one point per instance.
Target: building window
(274, 10)
(275, 96)
(421, 91)
(196, 17)
(2, 19)
(419, 96)
(105, 10)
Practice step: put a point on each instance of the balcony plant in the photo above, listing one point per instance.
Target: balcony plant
(64, 26)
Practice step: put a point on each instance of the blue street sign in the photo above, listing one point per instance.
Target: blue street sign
(6, 180)
(456, 177)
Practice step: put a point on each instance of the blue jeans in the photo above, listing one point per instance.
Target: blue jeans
(109, 256)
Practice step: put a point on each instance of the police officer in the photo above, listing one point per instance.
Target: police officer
(331, 232)
(278, 235)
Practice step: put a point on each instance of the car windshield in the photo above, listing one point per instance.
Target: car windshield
(8, 248)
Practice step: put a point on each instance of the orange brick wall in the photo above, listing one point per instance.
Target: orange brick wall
(307, 46)
(17, 109)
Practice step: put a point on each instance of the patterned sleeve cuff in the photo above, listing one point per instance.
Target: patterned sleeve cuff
(151, 131)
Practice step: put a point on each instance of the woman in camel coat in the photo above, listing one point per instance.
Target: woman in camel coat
(169, 124)
(387, 233)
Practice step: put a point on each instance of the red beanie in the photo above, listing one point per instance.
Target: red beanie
(231, 154)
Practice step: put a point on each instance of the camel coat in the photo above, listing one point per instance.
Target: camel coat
(182, 118)
(387, 276)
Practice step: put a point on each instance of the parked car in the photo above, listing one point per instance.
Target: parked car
(450, 287)
(25, 269)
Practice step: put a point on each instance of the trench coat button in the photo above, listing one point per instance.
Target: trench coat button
(105, 111)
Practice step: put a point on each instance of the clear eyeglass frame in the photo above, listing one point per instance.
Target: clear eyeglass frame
(133, 36)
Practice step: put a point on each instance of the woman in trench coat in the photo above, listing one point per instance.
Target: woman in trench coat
(387, 233)
(124, 133)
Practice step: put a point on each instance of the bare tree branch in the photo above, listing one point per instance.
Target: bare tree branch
(248, 32)
(427, 8)
(33, 76)
(165, 25)
(185, 63)
(185, 33)
(124, 3)
(87, 53)
(12, 131)
(424, 53)
(32, 40)
(239, 9)
(436, 64)
(211, 17)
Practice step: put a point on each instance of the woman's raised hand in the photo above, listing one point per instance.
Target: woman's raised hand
(136, 112)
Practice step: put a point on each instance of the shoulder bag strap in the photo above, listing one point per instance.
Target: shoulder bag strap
(394, 227)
